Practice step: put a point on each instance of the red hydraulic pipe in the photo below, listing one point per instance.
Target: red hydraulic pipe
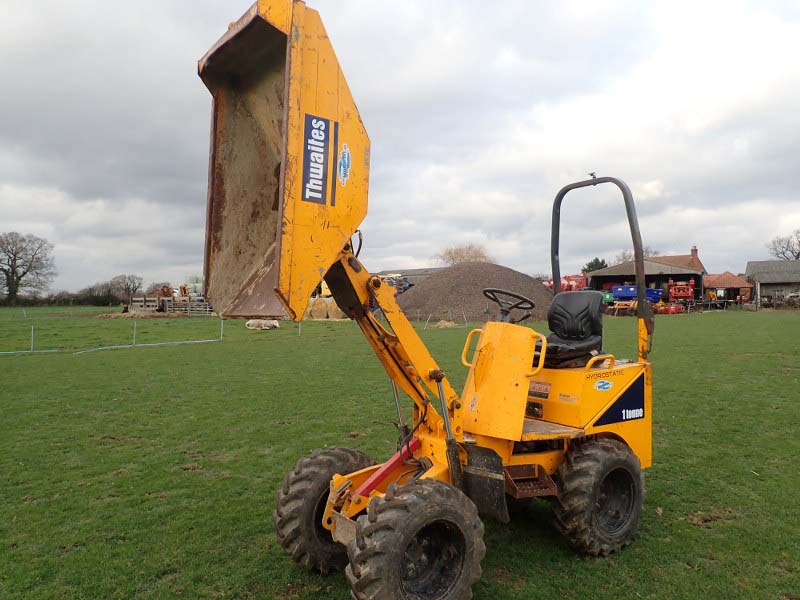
(374, 480)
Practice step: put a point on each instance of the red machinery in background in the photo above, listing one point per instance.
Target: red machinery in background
(681, 291)
(571, 283)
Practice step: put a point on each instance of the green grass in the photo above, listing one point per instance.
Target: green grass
(151, 472)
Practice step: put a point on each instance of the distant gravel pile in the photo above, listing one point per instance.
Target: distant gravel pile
(457, 291)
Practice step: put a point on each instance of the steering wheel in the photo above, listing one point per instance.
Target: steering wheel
(506, 306)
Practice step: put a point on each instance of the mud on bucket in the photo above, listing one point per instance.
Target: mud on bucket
(268, 241)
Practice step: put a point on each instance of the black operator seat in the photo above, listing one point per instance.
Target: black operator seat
(576, 322)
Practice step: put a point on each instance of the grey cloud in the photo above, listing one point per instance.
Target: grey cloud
(477, 113)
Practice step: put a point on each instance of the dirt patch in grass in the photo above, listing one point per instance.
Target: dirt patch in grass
(708, 519)
(513, 583)
(64, 550)
(121, 438)
(294, 590)
(759, 355)
(35, 500)
(191, 467)
(222, 457)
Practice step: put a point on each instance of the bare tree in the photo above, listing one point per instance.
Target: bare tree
(126, 286)
(26, 263)
(101, 293)
(455, 255)
(627, 255)
(786, 247)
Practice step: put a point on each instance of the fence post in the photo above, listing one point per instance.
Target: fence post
(134, 331)
(32, 335)
(221, 328)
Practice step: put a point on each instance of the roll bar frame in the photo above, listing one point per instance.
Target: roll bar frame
(643, 309)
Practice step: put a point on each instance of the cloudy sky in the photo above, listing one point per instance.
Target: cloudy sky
(478, 112)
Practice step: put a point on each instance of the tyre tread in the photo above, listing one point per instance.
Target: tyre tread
(292, 506)
(374, 550)
(582, 467)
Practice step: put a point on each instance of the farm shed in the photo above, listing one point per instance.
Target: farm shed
(728, 286)
(773, 279)
(659, 270)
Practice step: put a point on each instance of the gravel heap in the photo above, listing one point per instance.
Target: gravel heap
(458, 291)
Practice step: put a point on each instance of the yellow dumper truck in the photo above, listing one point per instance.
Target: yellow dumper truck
(550, 416)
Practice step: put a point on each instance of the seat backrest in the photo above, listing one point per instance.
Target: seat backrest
(576, 315)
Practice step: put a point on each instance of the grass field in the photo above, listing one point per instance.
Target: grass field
(151, 472)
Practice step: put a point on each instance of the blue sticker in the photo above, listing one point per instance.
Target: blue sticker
(603, 385)
(343, 168)
(628, 407)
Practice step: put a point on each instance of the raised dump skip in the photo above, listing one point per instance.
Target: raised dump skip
(289, 163)
(247, 78)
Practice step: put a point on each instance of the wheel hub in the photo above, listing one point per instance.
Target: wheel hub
(615, 501)
(433, 560)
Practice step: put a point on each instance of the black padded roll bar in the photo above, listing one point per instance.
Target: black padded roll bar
(643, 307)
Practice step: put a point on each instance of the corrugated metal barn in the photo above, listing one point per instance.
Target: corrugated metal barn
(659, 270)
(774, 279)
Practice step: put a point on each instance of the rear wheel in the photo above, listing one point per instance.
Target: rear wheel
(422, 540)
(301, 504)
(600, 497)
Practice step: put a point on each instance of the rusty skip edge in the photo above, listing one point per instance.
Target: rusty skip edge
(244, 304)
(233, 29)
(212, 156)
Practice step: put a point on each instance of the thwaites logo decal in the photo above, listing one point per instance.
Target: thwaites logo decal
(628, 407)
(320, 135)
(315, 159)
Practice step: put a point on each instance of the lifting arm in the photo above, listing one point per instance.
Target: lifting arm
(401, 351)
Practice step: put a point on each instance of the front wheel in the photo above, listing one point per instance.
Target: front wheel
(600, 498)
(422, 540)
(301, 504)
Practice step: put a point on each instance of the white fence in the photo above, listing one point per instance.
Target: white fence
(133, 344)
(33, 349)
(193, 308)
